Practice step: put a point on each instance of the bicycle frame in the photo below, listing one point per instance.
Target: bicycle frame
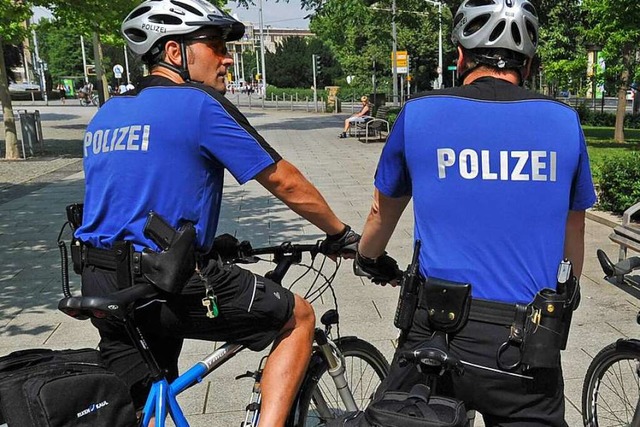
(162, 397)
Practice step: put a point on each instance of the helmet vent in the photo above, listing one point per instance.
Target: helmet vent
(457, 19)
(188, 7)
(135, 35)
(529, 8)
(476, 24)
(165, 19)
(515, 33)
(497, 31)
(531, 30)
(477, 3)
(139, 11)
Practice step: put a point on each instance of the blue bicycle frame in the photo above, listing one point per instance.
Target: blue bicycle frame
(162, 397)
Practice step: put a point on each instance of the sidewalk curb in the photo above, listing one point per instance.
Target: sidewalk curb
(603, 218)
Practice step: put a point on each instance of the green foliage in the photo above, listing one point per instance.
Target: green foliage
(619, 183)
(60, 47)
(12, 15)
(561, 50)
(291, 65)
(360, 36)
(588, 117)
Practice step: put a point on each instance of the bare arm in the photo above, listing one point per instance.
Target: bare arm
(287, 183)
(574, 241)
(381, 222)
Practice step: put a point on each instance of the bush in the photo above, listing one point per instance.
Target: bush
(619, 182)
(590, 118)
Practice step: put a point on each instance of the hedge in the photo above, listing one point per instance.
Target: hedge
(619, 183)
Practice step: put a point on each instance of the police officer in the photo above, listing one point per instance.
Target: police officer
(500, 180)
(165, 148)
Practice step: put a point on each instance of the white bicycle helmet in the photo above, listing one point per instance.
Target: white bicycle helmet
(497, 24)
(153, 20)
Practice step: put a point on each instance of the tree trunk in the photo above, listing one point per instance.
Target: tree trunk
(100, 74)
(622, 94)
(10, 134)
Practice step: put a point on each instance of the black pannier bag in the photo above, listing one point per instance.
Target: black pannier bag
(414, 409)
(64, 388)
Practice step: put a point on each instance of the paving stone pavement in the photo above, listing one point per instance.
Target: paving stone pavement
(34, 193)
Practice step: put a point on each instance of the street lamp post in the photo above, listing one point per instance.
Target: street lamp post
(439, 4)
(394, 64)
(264, 70)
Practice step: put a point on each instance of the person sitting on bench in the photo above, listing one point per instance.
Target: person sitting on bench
(359, 117)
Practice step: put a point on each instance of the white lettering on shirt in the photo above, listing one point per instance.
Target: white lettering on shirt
(120, 143)
(127, 138)
(516, 173)
(446, 158)
(88, 139)
(97, 141)
(517, 165)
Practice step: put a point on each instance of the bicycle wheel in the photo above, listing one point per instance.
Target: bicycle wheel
(611, 386)
(365, 368)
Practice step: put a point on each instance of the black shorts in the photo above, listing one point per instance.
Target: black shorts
(253, 310)
(523, 399)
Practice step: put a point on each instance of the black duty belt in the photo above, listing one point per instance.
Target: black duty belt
(108, 259)
(499, 313)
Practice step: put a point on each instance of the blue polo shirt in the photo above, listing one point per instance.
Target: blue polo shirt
(493, 170)
(164, 148)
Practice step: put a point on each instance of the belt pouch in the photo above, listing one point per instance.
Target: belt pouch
(544, 330)
(76, 255)
(447, 303)
(123, 251)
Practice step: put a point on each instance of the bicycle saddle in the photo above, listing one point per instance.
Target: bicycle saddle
(117, 305)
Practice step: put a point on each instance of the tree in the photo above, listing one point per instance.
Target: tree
(360, 35)
(60, 47)
(12, 15)
(561, 49)
(614, 26)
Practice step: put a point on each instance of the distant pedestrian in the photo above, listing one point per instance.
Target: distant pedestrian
(359, 117)
(63, 92)
(122, 89)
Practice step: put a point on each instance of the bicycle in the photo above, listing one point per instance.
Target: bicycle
(90, 99)
(611, 389)
(342, 375)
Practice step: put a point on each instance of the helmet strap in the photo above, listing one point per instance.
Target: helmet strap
(183, 70)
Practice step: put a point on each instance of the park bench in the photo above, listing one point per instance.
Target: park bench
(373, 128)
(626, 234)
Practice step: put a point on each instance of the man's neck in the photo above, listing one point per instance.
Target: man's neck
(167, 73)
(510, 76)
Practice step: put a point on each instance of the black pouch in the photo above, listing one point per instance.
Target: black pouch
(447, 303)
(66, 388)
(414, 409)
(545, 330)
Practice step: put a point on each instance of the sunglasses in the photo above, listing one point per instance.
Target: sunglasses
(218, 45)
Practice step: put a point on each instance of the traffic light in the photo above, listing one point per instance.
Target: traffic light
(318, 64)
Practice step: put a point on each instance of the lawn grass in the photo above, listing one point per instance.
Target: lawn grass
(601, 145)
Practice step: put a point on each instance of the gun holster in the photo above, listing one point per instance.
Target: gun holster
(170, 270)
(547, 326)
(447, 303)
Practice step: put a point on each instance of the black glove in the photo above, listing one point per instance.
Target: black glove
(345, 242)
(226, 247)
(381, 270)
